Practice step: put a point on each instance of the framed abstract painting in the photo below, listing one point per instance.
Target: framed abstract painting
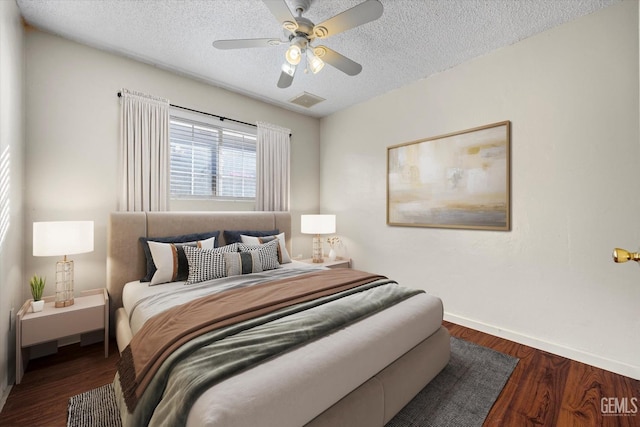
(457, 180)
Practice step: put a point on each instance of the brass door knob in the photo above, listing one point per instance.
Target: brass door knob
(622, 255)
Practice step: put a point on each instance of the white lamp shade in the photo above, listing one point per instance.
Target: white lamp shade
(318, 224)
(57, 238)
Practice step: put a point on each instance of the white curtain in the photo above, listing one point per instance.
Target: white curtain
(144, 153)
(272, 168)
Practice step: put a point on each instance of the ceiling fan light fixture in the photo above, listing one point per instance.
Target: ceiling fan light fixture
(294, 52)
(301, 32)
(289, 69)
(315, 63)
(293, 55)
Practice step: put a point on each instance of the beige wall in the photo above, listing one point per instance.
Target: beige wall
(12, 283)
(72, 136)
(571, 95)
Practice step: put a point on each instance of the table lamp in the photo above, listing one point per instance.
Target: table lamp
(62, 238)
(317, 225)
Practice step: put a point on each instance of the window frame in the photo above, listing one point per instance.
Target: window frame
(221, 126)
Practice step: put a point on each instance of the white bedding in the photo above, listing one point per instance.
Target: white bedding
(292, 389)
(139, 295)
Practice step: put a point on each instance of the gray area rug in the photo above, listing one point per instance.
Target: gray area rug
(463, 393)
(460, 396)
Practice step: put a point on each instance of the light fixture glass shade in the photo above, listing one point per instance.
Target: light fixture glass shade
(315, 64)
(288, 68)
(318, 224)
(293, 55)
(294, 52)
(62, 238)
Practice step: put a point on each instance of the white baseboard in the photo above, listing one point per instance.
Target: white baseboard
(615, 366)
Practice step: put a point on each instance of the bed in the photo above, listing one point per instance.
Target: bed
(361, 374)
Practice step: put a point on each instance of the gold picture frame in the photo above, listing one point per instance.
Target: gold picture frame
(457, 180)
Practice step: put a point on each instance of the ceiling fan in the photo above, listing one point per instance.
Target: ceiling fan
(301, 33)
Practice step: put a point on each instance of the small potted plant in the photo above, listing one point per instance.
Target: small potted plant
(37, 286)
(333, 241)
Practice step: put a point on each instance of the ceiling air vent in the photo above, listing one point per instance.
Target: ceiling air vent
(306, 100)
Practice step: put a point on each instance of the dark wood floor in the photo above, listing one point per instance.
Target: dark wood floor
(41, 398)
(549, 390)
(544, 389)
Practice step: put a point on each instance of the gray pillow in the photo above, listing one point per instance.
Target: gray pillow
(267, 252)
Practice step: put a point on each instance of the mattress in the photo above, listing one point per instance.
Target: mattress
(293, 388)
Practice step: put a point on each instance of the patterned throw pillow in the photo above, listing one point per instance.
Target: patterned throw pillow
(206, 264)
(144, 241)
(171, 262)
(268, 253)
(238, 263)
(283, 254)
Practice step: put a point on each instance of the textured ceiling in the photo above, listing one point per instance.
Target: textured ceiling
(412, 40)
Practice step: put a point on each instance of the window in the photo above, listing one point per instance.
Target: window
(211, 161)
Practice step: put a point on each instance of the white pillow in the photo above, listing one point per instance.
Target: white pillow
(283, 255)
(171, 261)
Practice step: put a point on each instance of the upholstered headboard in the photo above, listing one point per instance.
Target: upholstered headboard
(125, 257)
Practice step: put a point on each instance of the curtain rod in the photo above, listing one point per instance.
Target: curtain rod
(222, 119)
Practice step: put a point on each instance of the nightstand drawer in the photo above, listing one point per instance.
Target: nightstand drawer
(49, 328)
(54, 323)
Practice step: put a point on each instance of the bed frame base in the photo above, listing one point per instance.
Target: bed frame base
(379, 399)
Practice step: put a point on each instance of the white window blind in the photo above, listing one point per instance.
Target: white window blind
(211, 161)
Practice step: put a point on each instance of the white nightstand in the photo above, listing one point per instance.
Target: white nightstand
(338, 263)
(90, 312)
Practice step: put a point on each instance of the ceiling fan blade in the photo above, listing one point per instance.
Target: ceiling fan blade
(337, 60)
(281, 11)
(245, 43)
(367, 11)
(286, 77)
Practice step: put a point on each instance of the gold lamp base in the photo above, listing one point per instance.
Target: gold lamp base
(317, 250)
(66, 303)
(64, 283)
(622, 255)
